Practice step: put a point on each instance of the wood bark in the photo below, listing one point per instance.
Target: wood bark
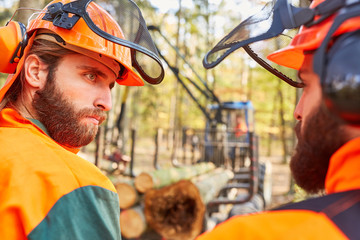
(163, 177)
(132, 222)
(211, 183)
(176, 211)
(128, 195)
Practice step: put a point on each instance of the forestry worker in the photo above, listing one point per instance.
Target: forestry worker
(62, 69)
(325, 52)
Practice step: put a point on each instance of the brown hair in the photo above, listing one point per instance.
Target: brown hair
(50, 53)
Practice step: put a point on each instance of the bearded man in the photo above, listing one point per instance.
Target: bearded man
(325, 52)
(70, 58)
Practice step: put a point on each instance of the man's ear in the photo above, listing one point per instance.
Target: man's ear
(35, 72)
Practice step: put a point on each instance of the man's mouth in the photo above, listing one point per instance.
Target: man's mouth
(95, 119)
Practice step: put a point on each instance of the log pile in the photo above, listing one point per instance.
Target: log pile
(164, 177)
(132, 222)
(128, 195)
(170, 201)
(210, 184)
(176, 211)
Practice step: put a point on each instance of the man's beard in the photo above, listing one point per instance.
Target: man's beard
(61, 119)
(319, 140)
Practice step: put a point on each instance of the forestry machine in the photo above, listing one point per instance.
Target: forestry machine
(228, 141)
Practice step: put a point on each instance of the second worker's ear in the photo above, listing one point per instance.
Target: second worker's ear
(35, 72)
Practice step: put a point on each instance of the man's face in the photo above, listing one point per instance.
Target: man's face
(73, 104)
(319, 134)
(311, 96)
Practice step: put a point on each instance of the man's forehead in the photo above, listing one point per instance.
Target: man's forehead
(109, 62)
(307, 66)
(83, 62)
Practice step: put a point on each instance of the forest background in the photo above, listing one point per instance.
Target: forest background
(194, 27)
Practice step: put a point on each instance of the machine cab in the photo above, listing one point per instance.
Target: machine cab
(229, 141)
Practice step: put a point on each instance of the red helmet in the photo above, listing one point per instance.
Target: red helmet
(308, 39)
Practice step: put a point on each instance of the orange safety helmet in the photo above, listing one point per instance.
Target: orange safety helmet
(93, 33)
(310, 38)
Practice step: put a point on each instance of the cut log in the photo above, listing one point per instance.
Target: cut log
(176, 211)
(132, 222)
(128, 195)
(163, 177)
(211, 183)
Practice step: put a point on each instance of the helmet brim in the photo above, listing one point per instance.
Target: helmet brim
(290, 56)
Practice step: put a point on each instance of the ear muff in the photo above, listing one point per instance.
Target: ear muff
(341, 78)
(13, 40)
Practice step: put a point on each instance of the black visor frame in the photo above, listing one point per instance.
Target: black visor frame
(284, 16)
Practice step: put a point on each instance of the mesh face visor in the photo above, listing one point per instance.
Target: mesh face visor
(248, 31)
(144, 56)
(276, 21)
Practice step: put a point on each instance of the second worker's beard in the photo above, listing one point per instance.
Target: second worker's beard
(61, 119)
(319, 139)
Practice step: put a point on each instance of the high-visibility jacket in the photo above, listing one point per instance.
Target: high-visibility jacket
(333, 219)
(47, 191)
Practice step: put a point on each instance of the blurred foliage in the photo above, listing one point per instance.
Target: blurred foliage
(237, 78)
(301, 195)
(2, 78)
(5, 13)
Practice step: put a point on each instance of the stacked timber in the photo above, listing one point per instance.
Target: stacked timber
(170, 201)
(132, 219)
(164, 177)
(132, 222)
(211, 183)
(176, 211)
(127, 193)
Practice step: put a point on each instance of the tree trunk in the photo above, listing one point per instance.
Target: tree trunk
(23, 15)
(210, 184)
(174, 108)
(132, 222)
(128, 195)
(163, 177)
(99, 150)
(176, 211)
(282, 126)
(272, 124)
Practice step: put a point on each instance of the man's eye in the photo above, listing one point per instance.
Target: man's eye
(91, 76)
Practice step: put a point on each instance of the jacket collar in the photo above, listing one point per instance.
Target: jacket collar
(11, 118)
(344, 168)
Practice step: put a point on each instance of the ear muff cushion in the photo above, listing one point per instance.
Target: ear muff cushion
(12, 77)
(11, 36)
(341, 83)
